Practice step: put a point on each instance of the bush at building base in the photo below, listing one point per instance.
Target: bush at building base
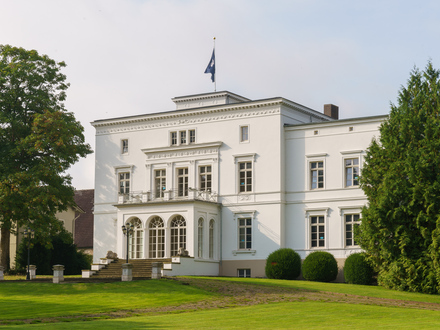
(62, 252)
(283, 264)
(357, 270)
(320, 266)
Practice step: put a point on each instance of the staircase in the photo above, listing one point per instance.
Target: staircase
(141, 268)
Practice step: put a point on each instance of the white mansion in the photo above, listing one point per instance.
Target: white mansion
(230, 180)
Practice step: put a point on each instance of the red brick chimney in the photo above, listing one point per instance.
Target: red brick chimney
(331, 110)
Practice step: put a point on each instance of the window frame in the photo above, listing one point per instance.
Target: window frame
(316, 170)
(352, 223)
(185, 184)
(244, 136)
(251, 214)
(317, 212)
(211, 239)
(200, 236)
(162, 183)
(207, 181)
(245, 271)
(182, 137)
(124, 146)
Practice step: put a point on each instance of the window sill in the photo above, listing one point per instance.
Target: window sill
(244, 251)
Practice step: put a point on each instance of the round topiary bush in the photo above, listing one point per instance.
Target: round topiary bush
(357, 270)
(320, 266)
(284, 264)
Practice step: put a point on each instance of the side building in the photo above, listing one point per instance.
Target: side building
(229, 180)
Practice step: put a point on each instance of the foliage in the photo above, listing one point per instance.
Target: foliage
(400, 229)
(61, 252)
(320, 266)
(40, 140)
(357, 270)
(283, 264)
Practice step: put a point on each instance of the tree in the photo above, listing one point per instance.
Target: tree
(39, 141)
(400, 229)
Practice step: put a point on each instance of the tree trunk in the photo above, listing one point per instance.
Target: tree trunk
(4, 248)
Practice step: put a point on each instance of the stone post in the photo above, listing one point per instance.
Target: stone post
(1, 273)
(156, 271)
(58, 273)
(127, 272)
(32, 272)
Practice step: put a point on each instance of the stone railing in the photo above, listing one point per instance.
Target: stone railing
(167, 195)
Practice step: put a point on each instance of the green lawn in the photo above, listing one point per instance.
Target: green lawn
(152, 305)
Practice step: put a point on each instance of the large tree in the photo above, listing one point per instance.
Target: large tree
(39, 141)
(400, 229)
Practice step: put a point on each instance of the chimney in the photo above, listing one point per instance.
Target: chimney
(331, 110)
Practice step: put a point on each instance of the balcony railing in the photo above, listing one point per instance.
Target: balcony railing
(167, 195)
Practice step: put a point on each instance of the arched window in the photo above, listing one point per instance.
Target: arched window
(178, 234)
(136, 240)
(200, 239)
(211, 238)
(156, 234)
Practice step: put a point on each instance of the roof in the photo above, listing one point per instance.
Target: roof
(84, 223)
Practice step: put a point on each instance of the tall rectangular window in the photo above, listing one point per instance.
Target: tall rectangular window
(352, 172)
(244, 233)
(182, 182)
(211, 239)
(205, 178)
(173, 138)
(200, 238)
(244, 133)
(124, 183)
(316, 175)
(317, 229)
(245, 177)
(192, 135)
(124, 146)
(351, 221)
(182, 137)
(160, 183)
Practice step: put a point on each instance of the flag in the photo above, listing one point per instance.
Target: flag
(211, 66)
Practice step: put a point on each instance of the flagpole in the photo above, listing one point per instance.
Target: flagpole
(215, 80)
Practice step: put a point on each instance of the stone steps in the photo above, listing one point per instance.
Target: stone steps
(141, 268)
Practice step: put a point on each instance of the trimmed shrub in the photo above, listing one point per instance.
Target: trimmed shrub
(320, 266)
(357, 270)
(284, 264)
(63, 252)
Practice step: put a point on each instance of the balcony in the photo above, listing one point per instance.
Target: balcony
(142, 197)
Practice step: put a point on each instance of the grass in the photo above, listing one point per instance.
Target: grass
(216, 303)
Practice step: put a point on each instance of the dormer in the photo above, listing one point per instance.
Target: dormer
(207, 99)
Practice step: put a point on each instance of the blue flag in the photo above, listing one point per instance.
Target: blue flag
(211, 66)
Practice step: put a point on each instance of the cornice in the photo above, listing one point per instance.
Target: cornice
(183, 151)
(185, 117)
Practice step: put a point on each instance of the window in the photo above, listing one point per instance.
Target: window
(211, 239)
(200, 239)
(316, 175)
(351, 221)
(192, 136)
(352, 172)
(135, 240)
(182, 182)
(124, 182)
(205, 176)
(245, 177)
(317, 229)
(160, 183)
(124, 146)
(244, 133)
(178, 234)
(156, 238)
(244, 233)
(182, 137)
(243, 272)
(173, 138)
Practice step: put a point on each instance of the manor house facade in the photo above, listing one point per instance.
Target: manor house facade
(229, 180)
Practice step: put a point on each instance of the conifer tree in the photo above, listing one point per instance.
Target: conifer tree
(400, 229)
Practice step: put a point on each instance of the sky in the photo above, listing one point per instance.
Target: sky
(130, 57)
